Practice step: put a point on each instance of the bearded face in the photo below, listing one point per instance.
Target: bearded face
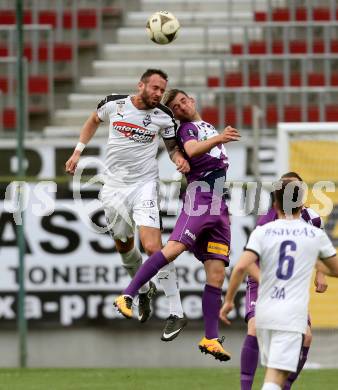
(151, 91)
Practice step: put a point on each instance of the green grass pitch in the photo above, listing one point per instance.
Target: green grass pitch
(148, 379)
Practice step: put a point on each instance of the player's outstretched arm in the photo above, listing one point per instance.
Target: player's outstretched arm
(88, 130)
(238, 274)
(177, 156)
(195, 148)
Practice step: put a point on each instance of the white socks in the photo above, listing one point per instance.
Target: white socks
(271, 386)
(168, 280)
(132, 261)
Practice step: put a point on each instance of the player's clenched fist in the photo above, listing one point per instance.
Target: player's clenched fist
(225, 310)
(71, 164)
(230, 134)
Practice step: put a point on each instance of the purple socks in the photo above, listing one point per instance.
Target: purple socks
(211, 305)
(249, 361)
(293, 376)
(145, 273)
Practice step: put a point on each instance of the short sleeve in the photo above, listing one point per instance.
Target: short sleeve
(326, 249)
(102, 109)
(169, 131)
(255, 241)
(187, 132)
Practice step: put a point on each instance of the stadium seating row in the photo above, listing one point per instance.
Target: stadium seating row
(290, 113)
(296, 46)
(275, 79)
(301, 14)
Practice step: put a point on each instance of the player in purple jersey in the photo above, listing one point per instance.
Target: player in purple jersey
(250, 351)
(203, 225)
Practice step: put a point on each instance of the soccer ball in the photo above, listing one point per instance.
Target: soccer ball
(162, 27)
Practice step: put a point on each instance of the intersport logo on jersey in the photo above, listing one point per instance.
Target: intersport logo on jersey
(134, 132)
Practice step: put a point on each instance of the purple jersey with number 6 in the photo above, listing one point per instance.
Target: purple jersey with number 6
(203, 225)
(309, 216)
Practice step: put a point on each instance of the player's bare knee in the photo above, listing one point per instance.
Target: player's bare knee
(151, 247)
(252, 327)
(124, 247)
(215, 277)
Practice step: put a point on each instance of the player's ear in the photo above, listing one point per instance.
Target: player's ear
(140, 85)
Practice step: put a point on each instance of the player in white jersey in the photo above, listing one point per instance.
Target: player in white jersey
(130, 191)
(287, 249)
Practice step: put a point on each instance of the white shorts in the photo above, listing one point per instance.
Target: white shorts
(127, 207)
(279, 349)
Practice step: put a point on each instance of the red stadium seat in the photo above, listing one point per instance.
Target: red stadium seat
(236, 48)
(281, 14)
(4, 85)
(213, 82)
(247, 116)
(230, 115)
(331, 113)
(9, 17)
(301, 14)
(315, 79)
(277, 47)
(86, 19)
(318, 46)
(257, 47)
(260, 16)
(292, 114)
(334, 46)
(61, 52)
(297, 47)
(38, 85)
(334, 79)
(275, 79)
(48, 17)
(9, 118)
(321, 14)
(254, 79)
(295, 79)
(210, 114)
(313, 114)
(4, 51)
(271, 116)
(234, 79)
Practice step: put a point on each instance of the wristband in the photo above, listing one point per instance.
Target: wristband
(80, 147)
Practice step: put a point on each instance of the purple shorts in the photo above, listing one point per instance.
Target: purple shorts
(207, 235)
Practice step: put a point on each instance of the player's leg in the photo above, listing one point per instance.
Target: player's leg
(151, 242)
(280, 354)
(120, 225)
(302, 359)
(147, 271)
(274, 379)
(250, 350)
(147, 217)
(249, 356)
(211, 305)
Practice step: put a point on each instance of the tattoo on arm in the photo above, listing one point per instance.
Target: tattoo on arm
(171, 146)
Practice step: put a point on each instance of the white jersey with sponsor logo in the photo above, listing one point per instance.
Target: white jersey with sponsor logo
(133, 139)
(287, 250)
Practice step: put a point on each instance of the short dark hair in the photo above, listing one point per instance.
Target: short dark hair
(287, 194)
(170, 96)
(291, 174)
(149, 72)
